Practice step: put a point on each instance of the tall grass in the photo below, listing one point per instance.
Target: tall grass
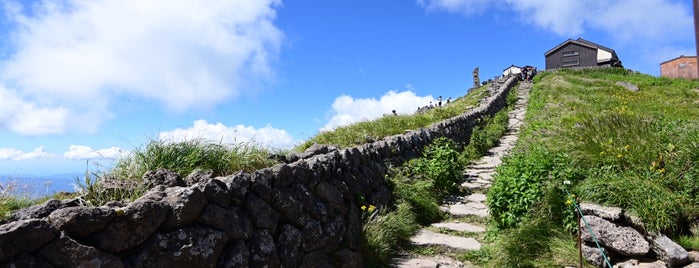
(635, 150)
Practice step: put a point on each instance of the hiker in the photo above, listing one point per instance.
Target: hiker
(439, 101)
(394, 112)
(448, 100)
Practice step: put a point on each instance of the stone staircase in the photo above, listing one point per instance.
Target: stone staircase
(466, 227)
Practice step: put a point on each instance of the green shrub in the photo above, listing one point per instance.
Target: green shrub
(440, 164)
(385, 232)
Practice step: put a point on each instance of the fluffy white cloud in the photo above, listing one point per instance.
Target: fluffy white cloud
(71, 59)
(267, 136)
(79, 152)
(347, 110)
(14, 154)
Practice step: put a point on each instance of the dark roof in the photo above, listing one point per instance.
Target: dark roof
(681, 56)
(581, 42)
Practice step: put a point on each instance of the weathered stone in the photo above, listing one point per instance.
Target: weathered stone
(39, 211)
(238, 185)
(162, 176)
(216, 191)
(261, 184)
(621, 239)
(318, 258)
(185, 205)
(283, 176)
(346, 258)
(669, 251)
(82, 221)
(312, 206)
(613, 214)
(26, 260)
(197, 176)
(262, 215)
(66, 252)
(328, 193)
(191, 247)
(263, 251)
(313, 236)
(234, 222)
(24, 236)
(139, 220)
(593, 255)
(291, 209)
(334, 232)
(289, 246)
(627, 85)
(235, 255)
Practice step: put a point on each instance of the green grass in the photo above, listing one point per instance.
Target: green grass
(634, 150)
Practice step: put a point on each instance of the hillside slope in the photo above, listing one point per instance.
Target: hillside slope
(634, 149)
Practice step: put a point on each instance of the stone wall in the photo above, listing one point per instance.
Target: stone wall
(300, 214)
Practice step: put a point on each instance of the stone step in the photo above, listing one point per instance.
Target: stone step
(460, 226)
(465, 209)
(439, 261)
(426, 237)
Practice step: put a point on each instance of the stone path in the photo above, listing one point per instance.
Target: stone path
(478, 177)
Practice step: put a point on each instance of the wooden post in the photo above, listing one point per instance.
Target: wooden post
(579, 233)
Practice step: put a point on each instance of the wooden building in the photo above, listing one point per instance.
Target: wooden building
(512, 70)
(680, 67)
(580, 53)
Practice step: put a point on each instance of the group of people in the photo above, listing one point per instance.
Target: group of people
(527, 73)
(433, 105)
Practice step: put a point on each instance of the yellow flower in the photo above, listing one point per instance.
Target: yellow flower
(619, 155)
(626, 147)
(568, 202)
(371, 208)
(572, 195)
(363, 207)
(661, 170)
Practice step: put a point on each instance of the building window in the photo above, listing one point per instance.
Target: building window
(570, 53)
(683, 65)
(570, 63)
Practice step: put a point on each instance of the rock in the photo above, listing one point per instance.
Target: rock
(627, 85)
(197, 176)
(621, 239)
(66, 252)
(14, 237)
(234, 222)
(216, 191)
(613, 214)
(262, 215)
(318, 258)
(235, 255)
(263, 251)
(141, 218)
(345, 258)
(593, 255)
(185, 205)
(162, 176)
(42, 210)
(82, 221)
(669, 251)
(26, 260)
(289, 246)
(313, 237)
(190, 247)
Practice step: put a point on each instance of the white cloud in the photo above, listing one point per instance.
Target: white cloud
(84, 54)
(267, 136)
(347, 110)
(14, 154)
(466, 7)
(80, 152)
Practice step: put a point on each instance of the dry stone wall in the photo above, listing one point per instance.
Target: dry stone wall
(300, 214)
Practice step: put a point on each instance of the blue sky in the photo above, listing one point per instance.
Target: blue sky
(93, 80)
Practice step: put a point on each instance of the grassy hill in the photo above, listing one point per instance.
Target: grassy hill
(638, 150)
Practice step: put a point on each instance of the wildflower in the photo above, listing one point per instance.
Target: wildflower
(371, 208)
(619, 155)
(569, 201)
(626, 147)
(363, 208)
(661, 170)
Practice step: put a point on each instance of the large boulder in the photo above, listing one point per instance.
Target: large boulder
(620, 239)
(185, 205)
(42, 210)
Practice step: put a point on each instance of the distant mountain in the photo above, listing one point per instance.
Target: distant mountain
(36, 185)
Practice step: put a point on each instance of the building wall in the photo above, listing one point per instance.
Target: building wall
(572, 56)
(682, 67)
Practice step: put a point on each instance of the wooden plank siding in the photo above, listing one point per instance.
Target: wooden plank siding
(565, 57)
(681, 67)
